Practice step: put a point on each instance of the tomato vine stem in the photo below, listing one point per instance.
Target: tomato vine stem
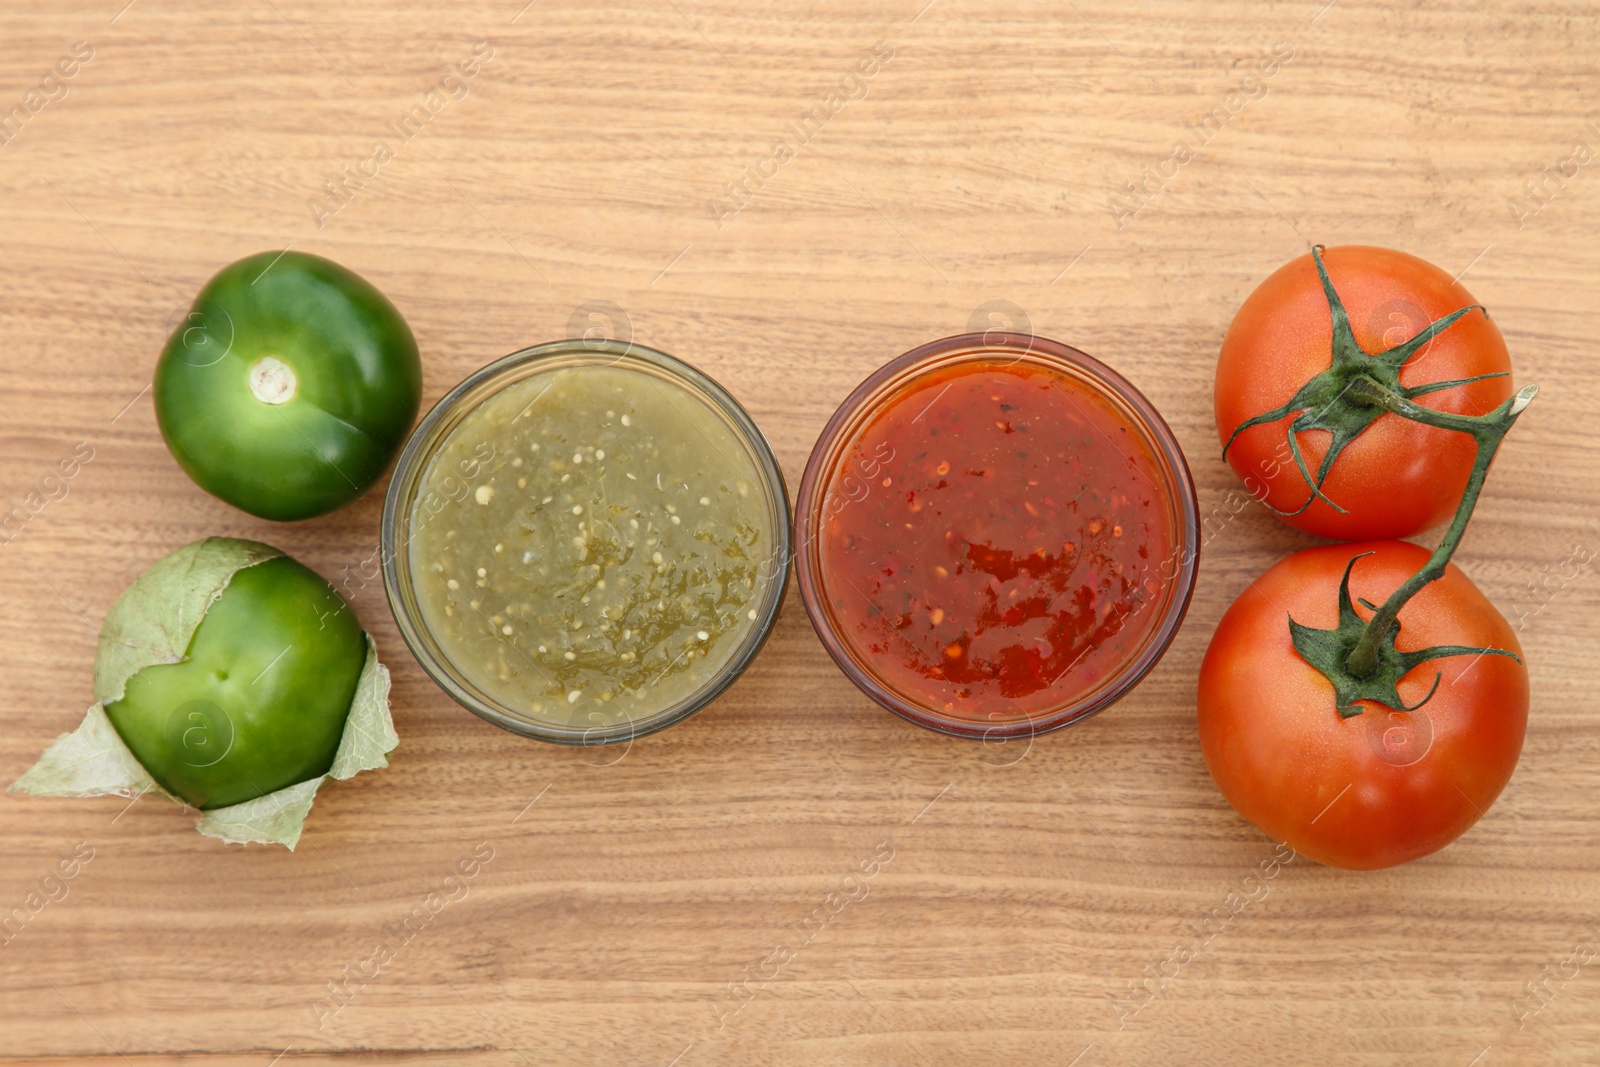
(1488, 431)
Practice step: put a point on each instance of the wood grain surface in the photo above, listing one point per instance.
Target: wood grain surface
(636, 897)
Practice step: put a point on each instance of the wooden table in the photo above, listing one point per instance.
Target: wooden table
(635, 897)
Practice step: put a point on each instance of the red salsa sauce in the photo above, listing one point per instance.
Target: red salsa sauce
(991, 544)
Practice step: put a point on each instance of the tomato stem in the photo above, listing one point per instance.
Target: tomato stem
(1488, 430)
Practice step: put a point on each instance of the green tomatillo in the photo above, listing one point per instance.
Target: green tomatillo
(233, 679)
(289, 386)
(259, 701)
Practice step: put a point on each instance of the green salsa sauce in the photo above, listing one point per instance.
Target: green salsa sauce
(590, 545)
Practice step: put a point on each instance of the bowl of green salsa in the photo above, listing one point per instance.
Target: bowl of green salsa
(586, 541)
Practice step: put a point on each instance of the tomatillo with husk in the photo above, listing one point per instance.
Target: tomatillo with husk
(260, 698)
(289, 386)
(233, 679)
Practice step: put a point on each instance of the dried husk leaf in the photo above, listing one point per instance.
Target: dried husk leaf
(92, 761)
(155, 618)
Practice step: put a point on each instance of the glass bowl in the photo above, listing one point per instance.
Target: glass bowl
(404, 521)
(891, 648)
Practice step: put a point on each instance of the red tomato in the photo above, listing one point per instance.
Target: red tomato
(1398, 477)
(1382, 787)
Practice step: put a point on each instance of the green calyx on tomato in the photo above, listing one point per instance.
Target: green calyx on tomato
(1359, 657)
(1330, 651)
(259, 699)
(289, 387)
(1343, 400)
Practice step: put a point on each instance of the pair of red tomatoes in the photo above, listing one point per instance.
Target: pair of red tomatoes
(1384, 786)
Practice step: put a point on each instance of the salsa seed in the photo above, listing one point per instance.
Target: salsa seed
(626, 421)
(483, 494)
(953, 651)
(574, 695)
(453, 584)
(1116, 531)
(600, 453)
(482, 573)
(937, 615)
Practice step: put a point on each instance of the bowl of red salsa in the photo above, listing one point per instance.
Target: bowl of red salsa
(997, 536)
